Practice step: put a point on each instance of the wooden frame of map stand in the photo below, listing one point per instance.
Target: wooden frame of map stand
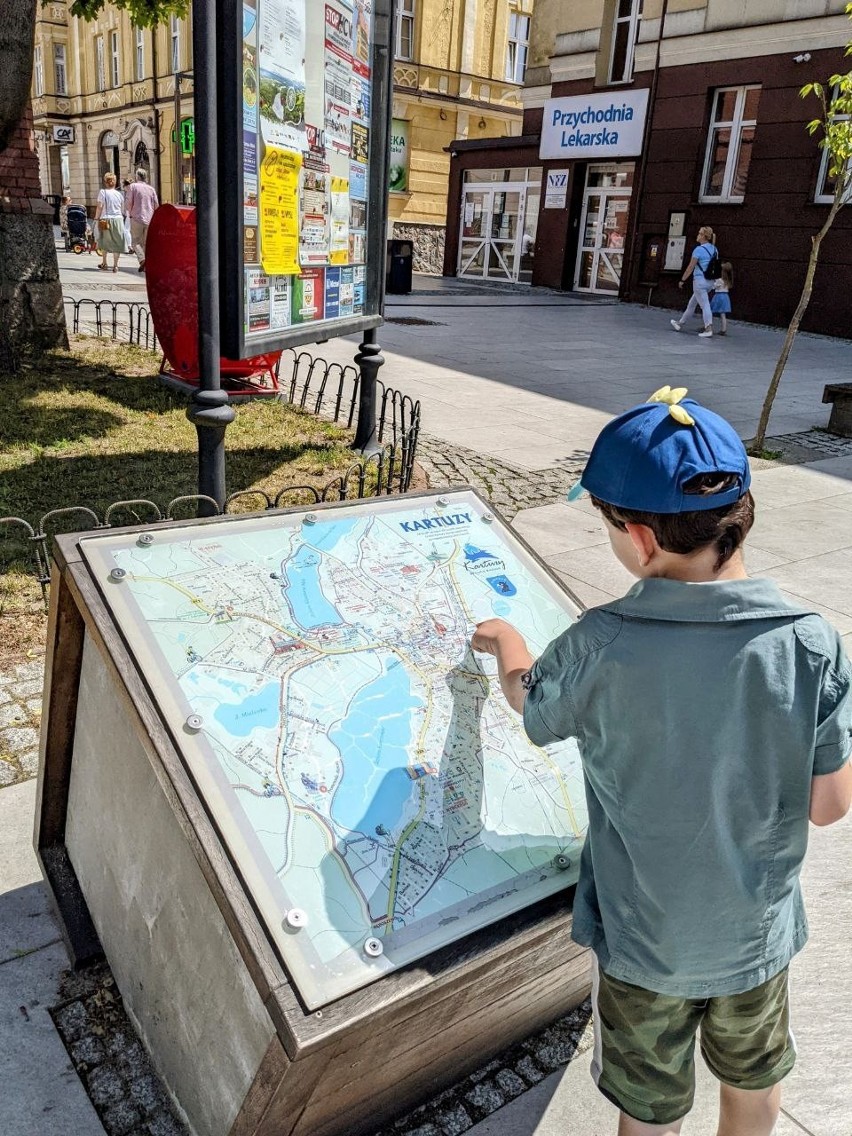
(137, 870)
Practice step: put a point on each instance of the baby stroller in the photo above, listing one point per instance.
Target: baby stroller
(76, 239)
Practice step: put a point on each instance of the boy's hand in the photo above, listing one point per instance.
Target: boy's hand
(499, 638)
(490, 633)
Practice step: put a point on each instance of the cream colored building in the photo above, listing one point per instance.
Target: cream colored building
(458, 74)
(113, 86)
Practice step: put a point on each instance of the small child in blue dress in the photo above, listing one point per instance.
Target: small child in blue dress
(720, 305)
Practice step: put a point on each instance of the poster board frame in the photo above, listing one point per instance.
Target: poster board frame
(236, 344)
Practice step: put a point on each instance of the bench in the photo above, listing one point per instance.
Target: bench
(840, 396)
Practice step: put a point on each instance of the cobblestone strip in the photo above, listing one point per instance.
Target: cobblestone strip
(20, 714)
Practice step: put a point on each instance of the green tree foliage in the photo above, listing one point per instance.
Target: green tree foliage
(143, 13)
(834, 129)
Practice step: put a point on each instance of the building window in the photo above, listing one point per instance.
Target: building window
(38, 72)
(60, 73)
(517, 47)
(140, 55)
(826, 184)
(114, 60)
(175, 26)
(100, 73)
(729, 144)
(625, 32)
(404, 29)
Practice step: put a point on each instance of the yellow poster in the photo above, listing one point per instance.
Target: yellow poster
(279, 212)
(339, 241)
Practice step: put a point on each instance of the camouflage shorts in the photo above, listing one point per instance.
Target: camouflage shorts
(644, 1044)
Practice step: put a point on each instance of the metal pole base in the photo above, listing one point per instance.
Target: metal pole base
(211, 414)
(369, 358)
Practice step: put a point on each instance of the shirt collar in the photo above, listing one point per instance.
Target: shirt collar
(720, 601)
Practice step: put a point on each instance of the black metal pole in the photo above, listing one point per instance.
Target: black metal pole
(369, 358)
(209, 410)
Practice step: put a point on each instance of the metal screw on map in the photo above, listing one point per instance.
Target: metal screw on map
(442, 502)
(296, 918)
(373, 948)
(310, 518)
(145, 539)
(562, 862)
(117, 574)
(487, 518)
(194, 722)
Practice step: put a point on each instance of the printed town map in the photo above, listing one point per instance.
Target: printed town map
(377, 793)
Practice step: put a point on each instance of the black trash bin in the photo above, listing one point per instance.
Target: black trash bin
(400, 261)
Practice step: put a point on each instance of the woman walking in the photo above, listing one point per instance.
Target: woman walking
(702, 281)
(109, 222)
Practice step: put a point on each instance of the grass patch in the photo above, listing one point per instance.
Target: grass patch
(91, 426)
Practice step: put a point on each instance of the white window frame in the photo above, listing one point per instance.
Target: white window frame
(60, 69)
(140, 54)
(821, 195)
(38, 71)
(100, 70)
(114, 59)
(736, 125)
(175, 36)
(633, 20)
(405, 13)
(517, 46)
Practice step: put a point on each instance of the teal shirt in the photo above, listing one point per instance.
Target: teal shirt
(701, 712)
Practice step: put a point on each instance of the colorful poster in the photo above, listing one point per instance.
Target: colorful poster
(250, 250)
(281, 64)
(279, 302)
(360, 143)
(249, 152)
(398, 173)
(359, 298)
(314, 194)
(361, 99)
(279, 211)
(249, 87)
(250, 199)
(338, 248)
(361, 19)
(357, 181)
(308, 296)
(257, 300)
(338, 74)
(347, 291)
(332, 293)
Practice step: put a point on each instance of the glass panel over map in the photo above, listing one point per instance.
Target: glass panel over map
(375, 790)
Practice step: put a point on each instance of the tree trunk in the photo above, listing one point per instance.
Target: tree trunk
(757, 443)
(16, 65)
(31, 311)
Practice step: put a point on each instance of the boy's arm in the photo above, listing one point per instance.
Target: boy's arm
(498, 638)
(831, 795)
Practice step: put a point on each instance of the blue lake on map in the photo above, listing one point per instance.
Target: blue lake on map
(373, 739)
(326, 536)
(261, 709)
(304, 593)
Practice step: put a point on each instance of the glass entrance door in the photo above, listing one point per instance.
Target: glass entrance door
(490, 245)
(603, 230)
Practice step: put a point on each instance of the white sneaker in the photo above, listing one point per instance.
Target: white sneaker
(675, 325)
(707, 334)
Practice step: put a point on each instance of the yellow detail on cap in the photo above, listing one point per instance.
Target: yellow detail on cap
(671, 396)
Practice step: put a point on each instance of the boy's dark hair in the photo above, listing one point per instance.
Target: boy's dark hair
(687, 532)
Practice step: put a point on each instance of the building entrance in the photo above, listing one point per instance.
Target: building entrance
(498, 225)
(603, 228)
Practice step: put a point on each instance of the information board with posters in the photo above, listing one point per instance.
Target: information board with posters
(304, 122)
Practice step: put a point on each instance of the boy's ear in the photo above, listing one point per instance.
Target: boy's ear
(644, 542)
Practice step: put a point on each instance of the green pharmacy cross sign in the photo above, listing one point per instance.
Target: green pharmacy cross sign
(187, 137)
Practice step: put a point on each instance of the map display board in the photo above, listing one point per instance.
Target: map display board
(377, 794)
(304, 126)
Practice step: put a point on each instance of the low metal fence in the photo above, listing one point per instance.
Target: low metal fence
(326, 390)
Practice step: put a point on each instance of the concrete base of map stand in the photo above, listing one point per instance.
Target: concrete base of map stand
(137, 872)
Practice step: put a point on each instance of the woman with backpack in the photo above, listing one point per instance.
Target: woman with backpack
(704, 268)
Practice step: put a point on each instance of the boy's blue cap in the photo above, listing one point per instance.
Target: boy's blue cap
(642, 459)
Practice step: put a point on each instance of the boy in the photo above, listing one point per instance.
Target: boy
(713, 718)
